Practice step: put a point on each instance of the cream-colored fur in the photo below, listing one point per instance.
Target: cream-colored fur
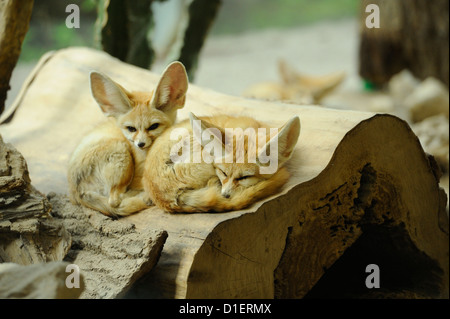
(191, 187)
(295, 87)
(106, 169)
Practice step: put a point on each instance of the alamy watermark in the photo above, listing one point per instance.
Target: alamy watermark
(236, 146)
(373, 19)
(73, 279)
(373, 280)
(73, 19)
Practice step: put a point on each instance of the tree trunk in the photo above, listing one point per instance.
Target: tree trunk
(201, 17)
(122, 28)
(14, 19)
(413, 34)
(362, 192)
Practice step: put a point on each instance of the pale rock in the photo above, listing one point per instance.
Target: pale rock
(28, 233)
(380, 103)
(402, 85)
(38, 281)
(429, 98)
(111, 254)
(433, 134)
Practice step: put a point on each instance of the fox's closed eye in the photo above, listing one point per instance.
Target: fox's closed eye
(131, 129)
(243, 177)
(153, 127)
(218, 170)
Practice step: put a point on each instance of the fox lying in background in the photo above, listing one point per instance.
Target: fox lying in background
(106, 168)
(295, 87)
(220, 185)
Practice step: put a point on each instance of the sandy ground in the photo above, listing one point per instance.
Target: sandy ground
(229, 64)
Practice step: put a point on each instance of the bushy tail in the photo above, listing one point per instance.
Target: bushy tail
(210, 199)
(129, 205)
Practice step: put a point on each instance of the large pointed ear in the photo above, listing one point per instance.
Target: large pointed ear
(170, 93)
(211, 138)
(323, 85)
(286, 139)
(202, 126)
(287, 72)
(110, 96)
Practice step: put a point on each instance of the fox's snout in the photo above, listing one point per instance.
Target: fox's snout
(141, 144)
(227, 189)
(141, 140)
(226, 195)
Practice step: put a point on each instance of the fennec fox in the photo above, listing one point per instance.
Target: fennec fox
(106, 168)
(232, 180)
(296, 87)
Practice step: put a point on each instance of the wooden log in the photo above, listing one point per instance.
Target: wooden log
(362, 192)
(290, 242)
(413, 34)
(14, 19)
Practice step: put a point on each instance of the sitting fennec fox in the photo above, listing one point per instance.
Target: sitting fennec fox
(106, 168)
(224, 183)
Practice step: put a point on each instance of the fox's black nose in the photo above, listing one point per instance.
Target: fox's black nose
(141, 144)
(226, 195)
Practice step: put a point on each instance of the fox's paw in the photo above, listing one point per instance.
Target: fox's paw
(145, 198)
(114, 202)
(147, 201)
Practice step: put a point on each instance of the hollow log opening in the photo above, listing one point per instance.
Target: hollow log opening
(404, 271)
(363, 222)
